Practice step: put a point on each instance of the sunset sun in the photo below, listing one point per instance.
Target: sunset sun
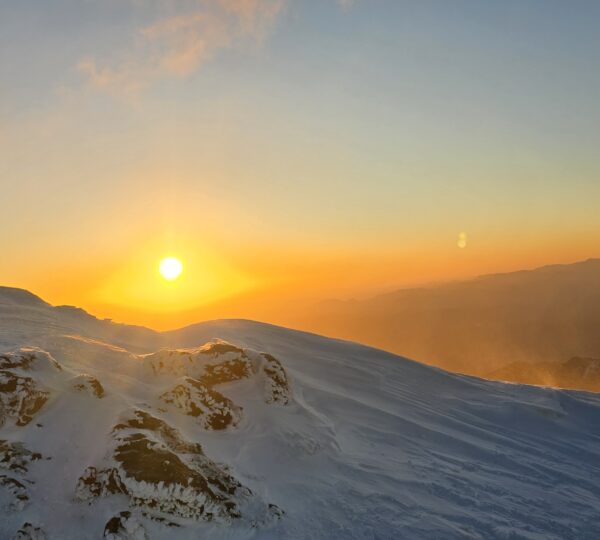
(170, 268)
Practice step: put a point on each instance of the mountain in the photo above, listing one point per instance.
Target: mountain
(549, 314)
(235, 429)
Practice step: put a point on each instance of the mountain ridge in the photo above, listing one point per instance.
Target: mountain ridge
(548, 314)
(284, 435)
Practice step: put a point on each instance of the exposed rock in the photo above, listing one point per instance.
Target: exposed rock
(147, 460)
(124, 527)
(16, 492)
(15, 457)
(20, 398)
(226, 369)
(94, 483)
(277, 388)
(20, 395)
(274, 513)
(88, 383)
(161, 520)
(212, 409)
(163, 473)
(217, 363)
(27, 358)
(29, 532)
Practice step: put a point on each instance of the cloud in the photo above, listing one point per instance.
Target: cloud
(179, 44)
(346, 4)
(256, 16)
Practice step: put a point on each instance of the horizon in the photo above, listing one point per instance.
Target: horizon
(313, 328)
(280, 269)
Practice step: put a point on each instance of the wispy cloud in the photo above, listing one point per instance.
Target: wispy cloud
(346, 4)
(179, 44)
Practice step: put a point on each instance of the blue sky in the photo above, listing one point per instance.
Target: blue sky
(378, 127)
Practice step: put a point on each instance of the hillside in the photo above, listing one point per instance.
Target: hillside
(549, 314)
(237, 429)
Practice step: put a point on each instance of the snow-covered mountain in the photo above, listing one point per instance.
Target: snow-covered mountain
(237, 430)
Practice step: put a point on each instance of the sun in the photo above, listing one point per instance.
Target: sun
(170, 268)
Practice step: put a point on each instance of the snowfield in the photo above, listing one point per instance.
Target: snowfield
(240, 430)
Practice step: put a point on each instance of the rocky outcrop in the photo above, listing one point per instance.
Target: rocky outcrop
(16, 457)
(163, 476)
(30, 532)
(277, 387)
(15, 496)
(215, 364)
(88, 383)
(95, 483)
(161, 472)
(124, 526)
(212, 409)
(20, 398)
(21, 395)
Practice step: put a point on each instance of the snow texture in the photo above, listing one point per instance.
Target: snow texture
(240, 430)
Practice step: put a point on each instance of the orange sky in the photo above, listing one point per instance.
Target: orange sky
(267, 284)
(289, 152)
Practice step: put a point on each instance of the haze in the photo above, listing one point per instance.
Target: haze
(290, 152)
(280, 269)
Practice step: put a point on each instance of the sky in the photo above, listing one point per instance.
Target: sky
(291, 151)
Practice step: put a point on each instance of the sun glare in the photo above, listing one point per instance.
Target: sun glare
(170, 268)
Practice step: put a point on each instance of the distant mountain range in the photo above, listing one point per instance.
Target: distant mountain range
(547, 315)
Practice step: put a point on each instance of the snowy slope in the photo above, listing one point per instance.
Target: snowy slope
(239, 430)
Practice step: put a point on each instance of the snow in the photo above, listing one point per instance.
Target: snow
(333, 439)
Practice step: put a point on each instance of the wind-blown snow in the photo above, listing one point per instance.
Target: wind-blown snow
(279, 435)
